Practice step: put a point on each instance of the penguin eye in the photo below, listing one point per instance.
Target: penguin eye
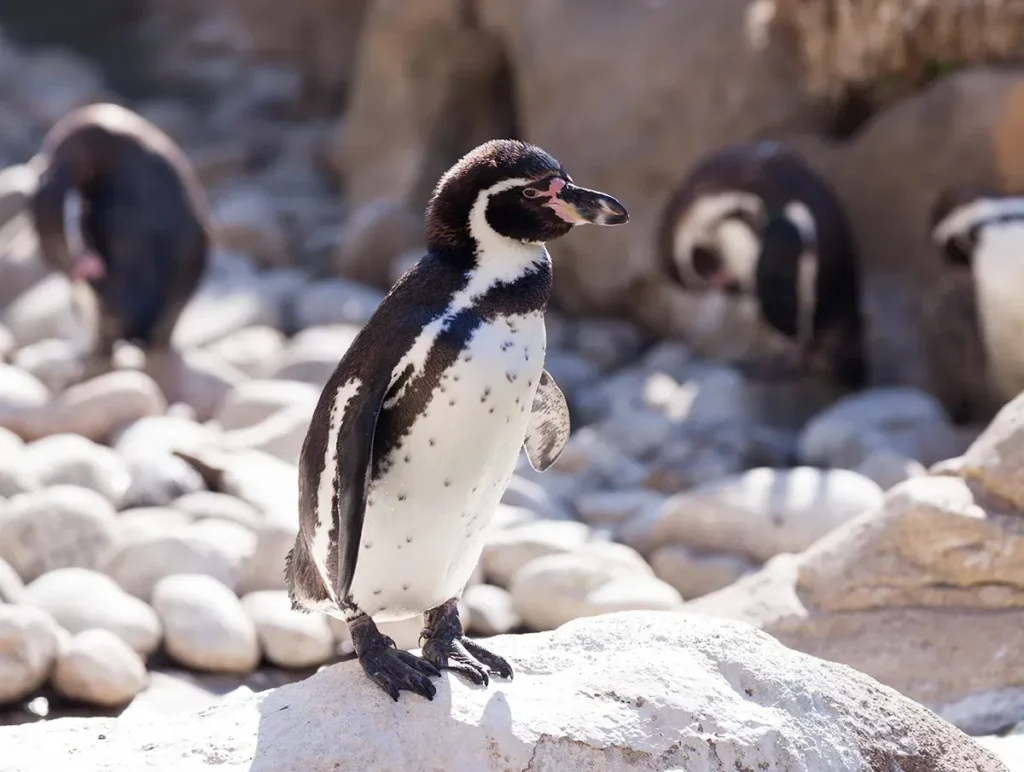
(530, 193)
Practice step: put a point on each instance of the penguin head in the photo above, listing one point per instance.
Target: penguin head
(712, 242)
(957, 217)
(506, 192)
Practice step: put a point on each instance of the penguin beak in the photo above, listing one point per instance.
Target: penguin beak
(579, 206)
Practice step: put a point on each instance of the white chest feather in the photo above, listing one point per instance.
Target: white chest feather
(998, 267)
(426, 517)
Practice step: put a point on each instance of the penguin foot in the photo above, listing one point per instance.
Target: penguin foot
(387, 666)
(447, 648)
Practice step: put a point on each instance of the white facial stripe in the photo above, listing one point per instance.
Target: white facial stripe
(502, 260)
(740, 248)
(806, 295)
(700, 227)
(798, 213)
(489, 240)
(963, 218)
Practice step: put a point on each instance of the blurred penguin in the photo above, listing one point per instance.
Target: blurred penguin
(754, 220)
(973, 317)
(143, 221)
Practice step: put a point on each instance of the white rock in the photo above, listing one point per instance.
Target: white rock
(80, 599)
(530, 494)
(196, 377)
(256, 351)
(275, 536)
(763, 512)
(99, 668)
(490, 610)
(217, 549)
(705, 695)
(144, 522)
(222, 307)
(290, 639)
(312, 354)
(96, 408)
(12, 589)
(614, 508)
(694, 573)
(164, 434)
(7, 343)
(336, 301)
(888, 467)
(608, 342)
(1009, 749)
(68, 459)
(555, 589)
(508, 550)
(254, 401)
(56, 363)
(843, 432)
(247, 221)
(57, 527)
(47, 310)
(205, 627)
(158, 479)
(218, 506)
(281, 434)
(20, 390)
(28, 646)
(15, 475)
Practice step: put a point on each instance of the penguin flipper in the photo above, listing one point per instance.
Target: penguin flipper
(548, 430)
(340, 446)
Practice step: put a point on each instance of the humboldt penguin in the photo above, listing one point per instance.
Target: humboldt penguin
(755, 220)
(144, 221)
(973, 317)
(417, 432)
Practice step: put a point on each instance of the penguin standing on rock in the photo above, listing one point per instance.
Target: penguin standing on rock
(418, 431)
(974, 318)
(755, 220)
(144, 221)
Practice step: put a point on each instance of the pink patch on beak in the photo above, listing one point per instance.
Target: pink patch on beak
(555, 186)
(556, 204)
(88, 265)
(721, 279)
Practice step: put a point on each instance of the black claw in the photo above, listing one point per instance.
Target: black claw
(390, 668)
(447, 648)
(393, 672)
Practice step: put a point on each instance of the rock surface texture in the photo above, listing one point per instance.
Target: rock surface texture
(939, 560)
(706, 695)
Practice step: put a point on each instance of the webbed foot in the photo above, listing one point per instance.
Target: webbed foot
(445, 647)
(392, 669)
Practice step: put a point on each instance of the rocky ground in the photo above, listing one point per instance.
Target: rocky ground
(145, 513)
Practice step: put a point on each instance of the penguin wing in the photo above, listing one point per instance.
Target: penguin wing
(334, 468)
(548, 430)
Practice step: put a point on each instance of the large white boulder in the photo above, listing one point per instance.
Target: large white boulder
(635, 690)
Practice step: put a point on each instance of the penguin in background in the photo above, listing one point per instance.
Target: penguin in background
(973, 316)
(417, 433)
(754, 220)
(144, 222)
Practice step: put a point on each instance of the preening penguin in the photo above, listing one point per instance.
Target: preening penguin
(418, 431)
(754, 219)
(144, 220)
(975, 312)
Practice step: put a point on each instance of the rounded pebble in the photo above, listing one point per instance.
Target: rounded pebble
(205, 626)
(80, 599)
(289, 638)
(99, 668)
